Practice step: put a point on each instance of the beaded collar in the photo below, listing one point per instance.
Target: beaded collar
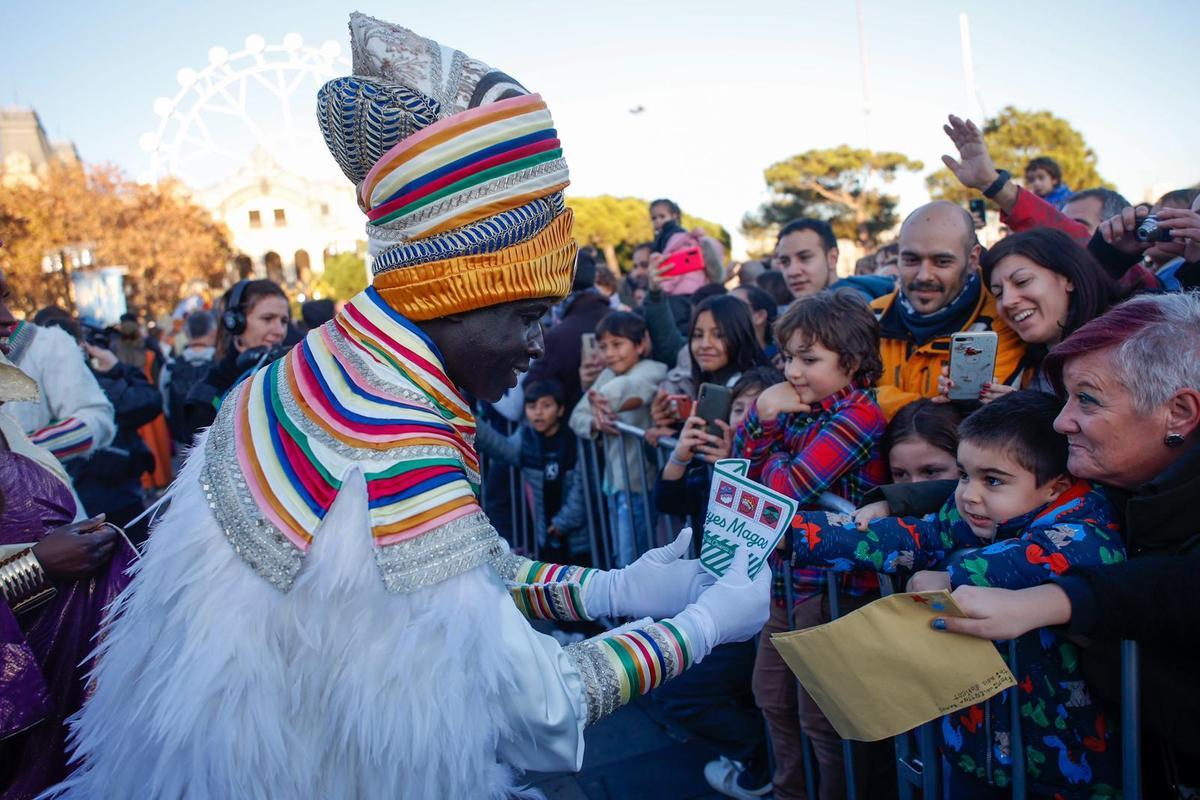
(367, 390)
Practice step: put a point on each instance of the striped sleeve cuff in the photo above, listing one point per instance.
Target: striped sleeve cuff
(66, 439)
(627, 663)
(548, 591)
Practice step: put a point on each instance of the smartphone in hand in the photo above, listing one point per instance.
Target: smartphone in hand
(972, 363)
(978, 209)
(713, 402)
(681, 404)
(587, 348)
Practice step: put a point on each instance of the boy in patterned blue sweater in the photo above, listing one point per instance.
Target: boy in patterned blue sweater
(1017, 519)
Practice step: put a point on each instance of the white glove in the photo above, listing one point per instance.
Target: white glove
(733, 609)
(659, 584)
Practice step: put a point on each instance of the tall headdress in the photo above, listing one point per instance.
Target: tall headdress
(459, 170)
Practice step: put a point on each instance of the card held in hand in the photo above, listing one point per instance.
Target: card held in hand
(741, 513)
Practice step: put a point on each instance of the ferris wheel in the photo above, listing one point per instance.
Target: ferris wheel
(259, 98)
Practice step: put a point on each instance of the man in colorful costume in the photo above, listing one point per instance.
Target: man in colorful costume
(282, 662)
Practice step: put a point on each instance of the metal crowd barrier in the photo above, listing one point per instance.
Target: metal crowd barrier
(918, 762)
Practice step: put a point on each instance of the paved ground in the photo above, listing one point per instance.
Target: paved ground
(631, 755)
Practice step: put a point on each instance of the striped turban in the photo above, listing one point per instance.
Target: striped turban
(459, 170)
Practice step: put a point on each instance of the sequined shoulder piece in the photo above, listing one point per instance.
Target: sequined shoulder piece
(259, 543)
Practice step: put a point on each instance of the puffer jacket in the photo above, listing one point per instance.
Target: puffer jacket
(1072, 744)
(910, 372)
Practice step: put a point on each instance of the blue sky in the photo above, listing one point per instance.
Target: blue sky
(728, 88)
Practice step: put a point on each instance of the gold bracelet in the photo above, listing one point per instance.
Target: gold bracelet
(23, 582)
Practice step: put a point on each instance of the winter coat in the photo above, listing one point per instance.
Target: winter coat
(910, 372)
(110, 479)
(1072, 744)
(667, 317)
(187, 370)
(524, 450)
(1154, 599)
(581, 313)
(71, 417)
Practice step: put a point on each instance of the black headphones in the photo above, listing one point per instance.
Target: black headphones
(233, 319)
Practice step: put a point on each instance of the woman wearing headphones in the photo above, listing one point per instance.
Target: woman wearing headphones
(253, 325)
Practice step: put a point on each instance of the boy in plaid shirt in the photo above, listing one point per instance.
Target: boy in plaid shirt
(817, 432)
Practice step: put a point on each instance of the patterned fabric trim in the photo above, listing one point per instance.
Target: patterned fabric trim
(449, 550)
(547, 591)
(361, 119)
(365, 391)
(66, 439)
(484, 199)
(452, 143)
(19, 341)
(487, 236)
(450, 76)
(627, 663)
(541, 266)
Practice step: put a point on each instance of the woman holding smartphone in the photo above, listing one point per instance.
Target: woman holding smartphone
(721, 346)
(1046, 286)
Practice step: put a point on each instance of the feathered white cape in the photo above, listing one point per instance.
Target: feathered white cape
(213, 684)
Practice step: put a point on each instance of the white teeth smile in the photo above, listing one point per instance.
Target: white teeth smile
(1023, 315)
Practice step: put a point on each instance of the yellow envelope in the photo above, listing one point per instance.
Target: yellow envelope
(881, 670)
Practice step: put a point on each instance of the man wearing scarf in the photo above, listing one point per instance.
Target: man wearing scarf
(940, 293)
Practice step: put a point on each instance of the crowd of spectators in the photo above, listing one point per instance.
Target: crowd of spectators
(1058, 505)
(1038, 488)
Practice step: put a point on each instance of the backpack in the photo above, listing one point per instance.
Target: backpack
(184, 375)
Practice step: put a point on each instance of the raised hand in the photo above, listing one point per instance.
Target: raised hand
(974, 167)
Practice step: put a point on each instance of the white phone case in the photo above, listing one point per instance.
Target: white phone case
(972, 363)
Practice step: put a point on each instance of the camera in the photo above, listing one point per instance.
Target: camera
(1150, 231)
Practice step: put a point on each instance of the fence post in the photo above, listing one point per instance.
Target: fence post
(1131, 754)
(789, 597)
(651, 538)
(622, 442)
(581, 464)
(670, 521)
(832, 502)
(1016, 741)
(514, 531)
(605, 522)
